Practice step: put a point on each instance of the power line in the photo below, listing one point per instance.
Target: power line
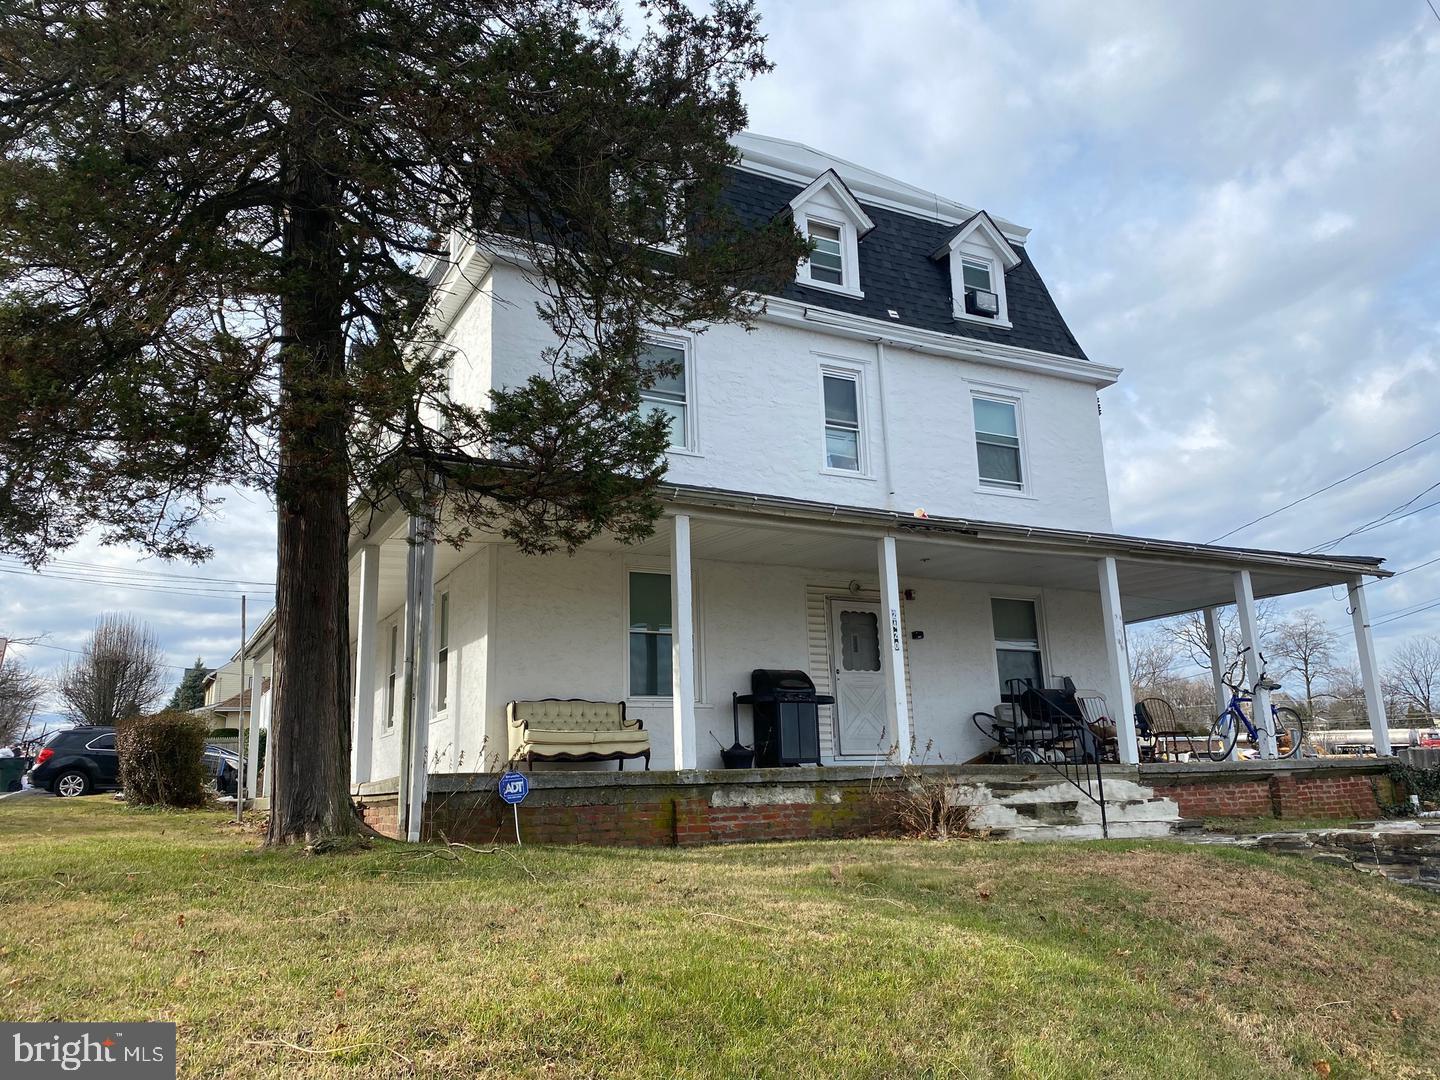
(73, 564)
(78, 652)
(1327, 487)
(103, 582)
(1406, 614)
(1380, 522)
(1417, 566)
(1433, 10)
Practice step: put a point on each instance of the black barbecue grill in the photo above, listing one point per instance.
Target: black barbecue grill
(786, 709)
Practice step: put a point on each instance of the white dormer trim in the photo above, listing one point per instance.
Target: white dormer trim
(827, 201)
(979, 240)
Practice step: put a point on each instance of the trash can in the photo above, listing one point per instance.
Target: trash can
(11, 769)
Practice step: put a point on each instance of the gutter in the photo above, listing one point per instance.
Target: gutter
(1112, 543)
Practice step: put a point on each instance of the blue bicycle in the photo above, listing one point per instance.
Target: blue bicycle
(1287, 725)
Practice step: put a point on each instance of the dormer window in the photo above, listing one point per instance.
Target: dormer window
(980, 296)
(979, 257)
(827, 213)
(826, 261)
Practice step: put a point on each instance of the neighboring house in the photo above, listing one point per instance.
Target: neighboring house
(895, 483)
(233, 700)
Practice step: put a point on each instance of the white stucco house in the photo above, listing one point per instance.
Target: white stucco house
(896, 483)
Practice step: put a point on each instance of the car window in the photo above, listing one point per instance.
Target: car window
(102, 742)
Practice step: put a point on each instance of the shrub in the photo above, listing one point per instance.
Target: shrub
(162, 759)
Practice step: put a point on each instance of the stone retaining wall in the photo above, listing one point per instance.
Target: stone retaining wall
(1282, 789)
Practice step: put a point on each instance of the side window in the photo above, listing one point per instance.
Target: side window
(997, 443)
(1017, 643)
(650, 634)
(442, 655)
(392, 678)
(102, 742)
(670, 393)
(844, 421)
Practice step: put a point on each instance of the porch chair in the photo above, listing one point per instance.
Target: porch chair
(1158, 721)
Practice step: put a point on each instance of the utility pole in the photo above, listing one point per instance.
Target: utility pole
(240, 726)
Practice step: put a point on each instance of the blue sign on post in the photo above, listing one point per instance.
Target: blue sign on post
(514, 787)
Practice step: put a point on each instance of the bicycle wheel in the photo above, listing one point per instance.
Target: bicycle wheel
(1224, 731)
(1289, 732)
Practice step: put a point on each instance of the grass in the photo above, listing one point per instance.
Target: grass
(885, 959)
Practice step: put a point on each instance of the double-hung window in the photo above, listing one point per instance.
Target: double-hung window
(393, 677)
(650, 630)
(980, 295)
(1017, 644)
(844, 446)
(442, 656)
(997, 443)
(827, 264)
(669, 393)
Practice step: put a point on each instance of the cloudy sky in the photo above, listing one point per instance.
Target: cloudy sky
(1236, 202)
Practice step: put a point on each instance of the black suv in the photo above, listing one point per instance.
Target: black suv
(83, 759)
(77, 762)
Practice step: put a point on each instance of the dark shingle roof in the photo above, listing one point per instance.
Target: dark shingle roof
(896, 271)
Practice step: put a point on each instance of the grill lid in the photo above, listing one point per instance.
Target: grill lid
(772, 680)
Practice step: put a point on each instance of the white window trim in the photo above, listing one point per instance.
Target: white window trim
(691, 448)
(849, 256)
(640, 564)
(1033, 596)
(1024, 491)
(997, 283)
(856, 373)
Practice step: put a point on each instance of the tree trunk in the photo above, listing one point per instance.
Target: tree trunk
(310, 795)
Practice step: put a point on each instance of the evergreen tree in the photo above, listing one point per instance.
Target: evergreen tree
(190, 694)
(211, 220)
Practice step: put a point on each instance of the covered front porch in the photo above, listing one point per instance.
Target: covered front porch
(911, 623)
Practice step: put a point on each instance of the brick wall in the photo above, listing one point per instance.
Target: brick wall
(649, 810)
(1296, 792)
(381, 813)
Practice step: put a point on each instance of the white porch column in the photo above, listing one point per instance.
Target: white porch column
(363, 742)
(1369, 669)
(1250, 639)
(682, 643)
(1215, 640)
(897, 701)
(424, 706)
(252, 737)
(1117, 653)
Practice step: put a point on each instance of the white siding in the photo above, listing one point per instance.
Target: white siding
(759, 420)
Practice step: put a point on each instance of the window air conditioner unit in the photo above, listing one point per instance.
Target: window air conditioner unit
(982, 302)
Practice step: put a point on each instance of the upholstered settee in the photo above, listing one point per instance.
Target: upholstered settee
(574, 729)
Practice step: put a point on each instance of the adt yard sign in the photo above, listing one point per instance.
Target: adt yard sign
(514, 787)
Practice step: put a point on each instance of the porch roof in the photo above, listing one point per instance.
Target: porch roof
(1157, 577)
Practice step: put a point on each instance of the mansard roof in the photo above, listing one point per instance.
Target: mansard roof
(897, 274)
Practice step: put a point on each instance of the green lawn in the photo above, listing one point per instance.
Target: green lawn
(886, 959)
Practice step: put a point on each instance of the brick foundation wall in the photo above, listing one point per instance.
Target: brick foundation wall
(665, 809)
(381, 813)
(1256, 789)
(656, 809)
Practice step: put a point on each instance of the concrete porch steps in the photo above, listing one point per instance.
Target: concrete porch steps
(1046, 809)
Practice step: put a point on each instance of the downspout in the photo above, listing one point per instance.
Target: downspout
(888, 476)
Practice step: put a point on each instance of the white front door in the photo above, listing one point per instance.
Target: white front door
(862, 726)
